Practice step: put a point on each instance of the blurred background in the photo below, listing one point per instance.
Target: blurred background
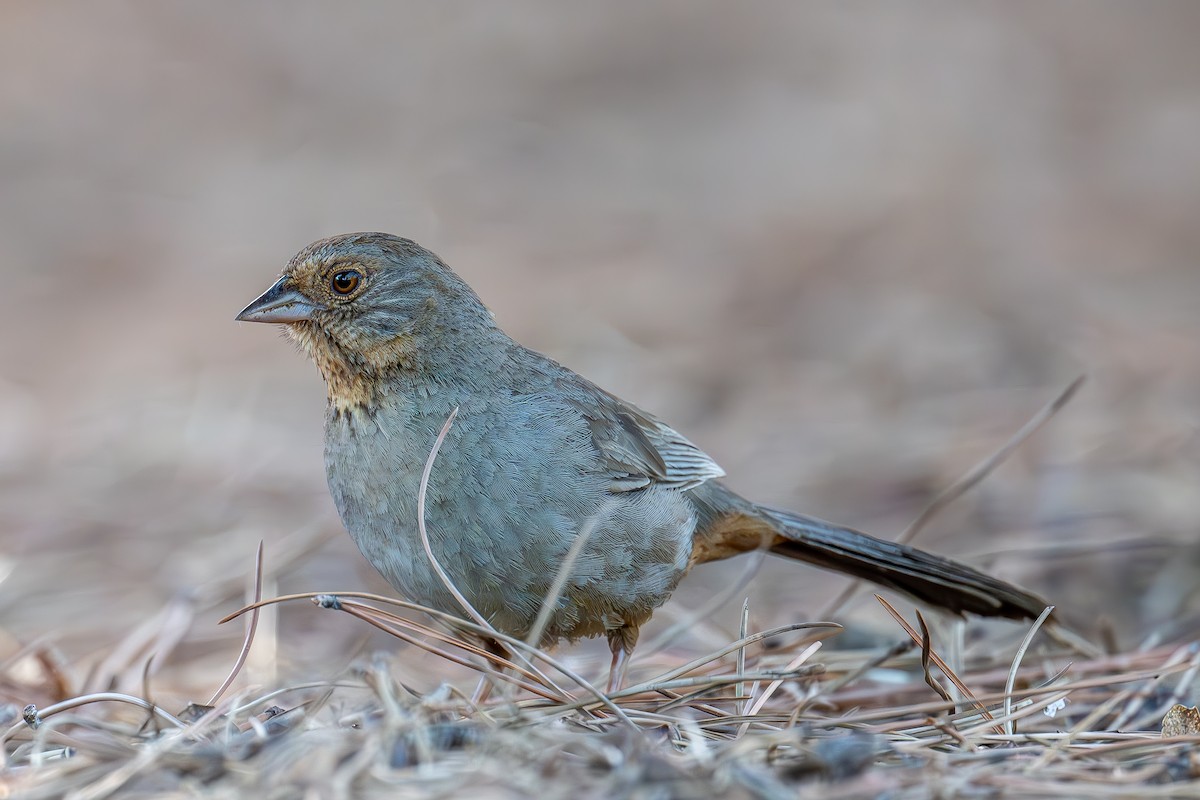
(847, 248)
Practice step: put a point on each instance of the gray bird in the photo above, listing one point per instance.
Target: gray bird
(536, 455)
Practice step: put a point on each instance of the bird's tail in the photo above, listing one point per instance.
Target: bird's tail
(929, 578)
(732, 524)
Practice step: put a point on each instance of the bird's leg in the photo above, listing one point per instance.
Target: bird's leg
(621, 642)
(616, 670)
(484, 689)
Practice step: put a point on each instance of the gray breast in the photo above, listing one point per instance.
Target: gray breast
(513, 485)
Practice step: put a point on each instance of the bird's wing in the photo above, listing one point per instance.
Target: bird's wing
(639, 450)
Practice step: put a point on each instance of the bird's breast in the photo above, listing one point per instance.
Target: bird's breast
(511, 489)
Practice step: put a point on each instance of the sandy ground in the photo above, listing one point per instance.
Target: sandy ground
(847, 248)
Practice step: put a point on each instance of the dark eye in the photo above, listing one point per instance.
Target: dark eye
(345, 282)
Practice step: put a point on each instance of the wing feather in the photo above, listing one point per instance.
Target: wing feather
(639, 450)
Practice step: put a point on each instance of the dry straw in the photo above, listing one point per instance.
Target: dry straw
(772, 713)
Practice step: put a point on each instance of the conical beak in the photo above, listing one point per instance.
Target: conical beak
(281, 303)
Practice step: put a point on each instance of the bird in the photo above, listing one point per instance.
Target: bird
(537, 459)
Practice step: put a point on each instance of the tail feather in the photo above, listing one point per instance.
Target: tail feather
(924, 576)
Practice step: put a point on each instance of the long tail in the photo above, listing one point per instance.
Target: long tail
(730, 524)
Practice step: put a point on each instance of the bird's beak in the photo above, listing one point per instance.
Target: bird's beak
(281, 303)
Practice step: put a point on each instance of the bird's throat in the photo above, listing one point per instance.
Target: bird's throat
(358, 380)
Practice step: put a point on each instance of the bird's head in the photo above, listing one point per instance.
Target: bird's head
(365, 306)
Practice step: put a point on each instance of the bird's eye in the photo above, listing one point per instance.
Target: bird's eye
(345, 282)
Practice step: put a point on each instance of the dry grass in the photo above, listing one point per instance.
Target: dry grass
(795, 719)
(771, 714)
